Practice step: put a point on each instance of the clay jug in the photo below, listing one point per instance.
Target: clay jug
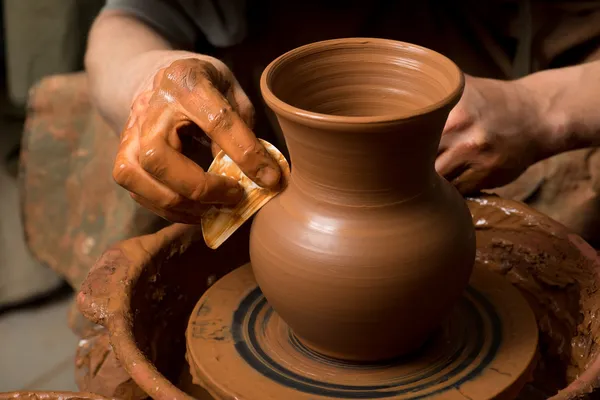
(368, 248)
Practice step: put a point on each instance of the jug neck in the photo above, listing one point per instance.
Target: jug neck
(364, 165)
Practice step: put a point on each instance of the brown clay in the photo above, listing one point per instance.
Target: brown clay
(239, 348)
(565, 187)
(33, 395)
(97, 369)
(143, 291)
(367, 249)
(559, 274)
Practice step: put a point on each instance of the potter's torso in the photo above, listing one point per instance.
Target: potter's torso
(496, 38)
(494, 30)
(484, 40)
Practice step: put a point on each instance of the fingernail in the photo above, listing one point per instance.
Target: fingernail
(233, 195)
(233, 192)
(267, 177)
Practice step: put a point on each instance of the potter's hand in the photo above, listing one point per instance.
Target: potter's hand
(193, 96)
(493, 134)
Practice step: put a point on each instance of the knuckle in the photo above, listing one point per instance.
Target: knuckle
(199, 191)
(254, 157)
(170, 202)
(221, 120)
(483, 138)
(248, 155)
(158, 77)
(142, 101)
(483, 145)
(471, 146)
(187, 73)
(152, 161)
(478, 142)
(123, 172)
(495, 162)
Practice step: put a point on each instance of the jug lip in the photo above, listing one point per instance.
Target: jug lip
(297, 114)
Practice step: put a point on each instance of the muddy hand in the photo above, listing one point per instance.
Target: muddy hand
(201, 94)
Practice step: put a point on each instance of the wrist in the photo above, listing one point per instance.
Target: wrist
(153, 61)
(567, 101)
(551, 125)
(143, 68)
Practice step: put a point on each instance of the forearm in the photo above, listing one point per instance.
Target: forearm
(121, 52)
(569, 100)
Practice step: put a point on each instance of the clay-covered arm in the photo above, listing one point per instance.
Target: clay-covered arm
(158, 97)
(122, 54)
(570, 106)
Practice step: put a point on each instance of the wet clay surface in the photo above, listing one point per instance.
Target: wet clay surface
(50, 396)
(349, 254)
(558, 273)
(143, 291)
(143, 317)
(97, 369)
(564, 187)
(238, 347)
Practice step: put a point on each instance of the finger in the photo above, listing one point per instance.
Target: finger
(450, 164)
(185, 177)
(145, 190)
(448, 141)
(160, 158)
(169, 215)
(229, 85)
(469, 181)
(458, 119)
(132, 177)
(208, 109)
(128, 173)
(458, 150)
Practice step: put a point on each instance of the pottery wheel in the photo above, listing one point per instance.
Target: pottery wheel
(238, 347)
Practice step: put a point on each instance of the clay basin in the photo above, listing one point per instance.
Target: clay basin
(49, 396)
(143, 290)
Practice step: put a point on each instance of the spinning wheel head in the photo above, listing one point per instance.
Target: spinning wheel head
(240, 348)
